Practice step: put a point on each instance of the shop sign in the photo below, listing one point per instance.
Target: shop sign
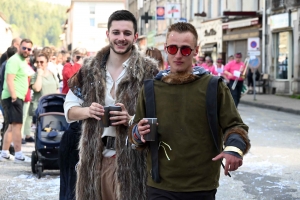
(240, 36)
(160, 13)
(173, 10)
(279, 21)
(240, 23)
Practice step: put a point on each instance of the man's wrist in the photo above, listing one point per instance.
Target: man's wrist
(234, 149)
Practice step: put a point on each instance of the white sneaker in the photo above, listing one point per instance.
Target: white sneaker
(25, 159)
(4, 159)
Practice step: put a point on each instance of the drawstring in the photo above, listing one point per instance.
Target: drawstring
(160, 145)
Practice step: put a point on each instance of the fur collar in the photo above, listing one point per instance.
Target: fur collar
(180, 78)
(177, 79)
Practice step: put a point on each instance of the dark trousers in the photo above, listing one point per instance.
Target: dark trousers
(158, 194)
(4, 128)
(236, 93)
(68, 158)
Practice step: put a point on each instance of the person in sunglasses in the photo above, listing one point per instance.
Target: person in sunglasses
(70, 68)
(185, 161)
(14, 90)
(42, 82)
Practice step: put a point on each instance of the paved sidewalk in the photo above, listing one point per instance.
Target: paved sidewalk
(274, 102)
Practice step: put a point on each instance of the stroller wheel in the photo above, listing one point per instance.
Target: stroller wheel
(40, 171)
(33, 162)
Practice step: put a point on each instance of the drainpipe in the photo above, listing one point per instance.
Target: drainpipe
(264, 39)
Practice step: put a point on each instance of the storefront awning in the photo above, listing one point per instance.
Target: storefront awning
(208, 47)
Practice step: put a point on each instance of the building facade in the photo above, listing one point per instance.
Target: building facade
(283, 45)
(6, 35)
(226, 27)
(87, 23)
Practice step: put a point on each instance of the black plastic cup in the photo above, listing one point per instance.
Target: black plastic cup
(114, 108)
(153, 128)
(105, 122)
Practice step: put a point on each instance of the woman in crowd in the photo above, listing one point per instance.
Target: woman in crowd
(72, 67)
(42, 82)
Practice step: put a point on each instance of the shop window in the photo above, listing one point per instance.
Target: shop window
(283, 52)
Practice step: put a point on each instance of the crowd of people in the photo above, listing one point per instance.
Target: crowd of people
(116, 162)
(26, 75)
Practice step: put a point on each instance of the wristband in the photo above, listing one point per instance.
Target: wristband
(234, 149)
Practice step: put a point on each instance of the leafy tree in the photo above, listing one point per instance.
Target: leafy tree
(34, 19)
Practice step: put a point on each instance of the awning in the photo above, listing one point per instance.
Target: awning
(208, 47)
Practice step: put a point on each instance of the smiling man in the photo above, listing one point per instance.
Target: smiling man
(14, 90)
(107, 167)
(182, 162)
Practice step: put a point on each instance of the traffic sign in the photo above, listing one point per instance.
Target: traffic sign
(253, 44)
(254, 62)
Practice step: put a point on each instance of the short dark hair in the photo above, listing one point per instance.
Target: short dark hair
(120, 15)
(26, 41)
(11, 51)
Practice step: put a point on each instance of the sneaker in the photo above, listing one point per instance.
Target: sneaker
(25, 159)
(23, 141)
(4, 159)
(30, 139)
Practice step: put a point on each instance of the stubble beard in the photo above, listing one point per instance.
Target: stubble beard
(130, 45)
(24, 55)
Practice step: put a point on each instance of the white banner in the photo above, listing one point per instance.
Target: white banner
(173, 10)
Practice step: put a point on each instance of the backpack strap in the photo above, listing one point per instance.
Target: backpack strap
(212, 110)
(150, 113)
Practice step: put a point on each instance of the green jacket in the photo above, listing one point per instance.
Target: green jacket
(186, 143)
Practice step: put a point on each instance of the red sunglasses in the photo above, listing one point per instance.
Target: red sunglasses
(184, 50)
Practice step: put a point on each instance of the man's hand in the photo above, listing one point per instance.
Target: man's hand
(122, 117)
(13, 99)
(96, 110)
(143, 128)
(232, 162)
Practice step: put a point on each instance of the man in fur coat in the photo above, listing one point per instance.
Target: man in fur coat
(183, 161)
(108, 168)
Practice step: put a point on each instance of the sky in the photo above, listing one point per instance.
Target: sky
(62, 2)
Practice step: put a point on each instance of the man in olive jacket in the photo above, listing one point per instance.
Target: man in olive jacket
(188, 162)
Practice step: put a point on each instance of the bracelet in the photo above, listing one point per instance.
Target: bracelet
(234, 149)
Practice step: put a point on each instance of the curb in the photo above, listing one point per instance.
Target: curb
(271, 107)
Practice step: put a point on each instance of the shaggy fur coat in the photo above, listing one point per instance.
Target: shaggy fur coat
(89, 84)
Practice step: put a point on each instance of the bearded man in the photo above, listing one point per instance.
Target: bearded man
(108, 168)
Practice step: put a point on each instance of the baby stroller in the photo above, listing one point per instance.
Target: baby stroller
(50, 126)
